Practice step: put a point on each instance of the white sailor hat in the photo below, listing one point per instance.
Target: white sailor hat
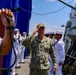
(57, 32)
(16, 29)
(51, 32)
(24, 32)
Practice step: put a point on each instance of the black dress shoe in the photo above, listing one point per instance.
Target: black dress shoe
(18, 67)
(22, 62)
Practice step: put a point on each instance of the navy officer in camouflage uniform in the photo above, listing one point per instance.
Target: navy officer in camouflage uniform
(41, 47)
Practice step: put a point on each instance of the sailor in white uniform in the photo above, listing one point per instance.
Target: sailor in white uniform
(16, 45)
(22, 48)
(16, 48)
(60, 52)
(51, 36)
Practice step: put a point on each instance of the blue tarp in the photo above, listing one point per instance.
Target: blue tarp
(24, 17)
(22, 20)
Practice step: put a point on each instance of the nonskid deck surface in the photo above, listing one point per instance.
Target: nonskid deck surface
(24, 67)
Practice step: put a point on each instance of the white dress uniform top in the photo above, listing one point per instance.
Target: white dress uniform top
(22, 49)
(20, 43)
(60, 55)
(20, 46)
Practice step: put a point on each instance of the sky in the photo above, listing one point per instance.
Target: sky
(52, 21)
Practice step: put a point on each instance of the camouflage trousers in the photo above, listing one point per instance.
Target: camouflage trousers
(39, 72)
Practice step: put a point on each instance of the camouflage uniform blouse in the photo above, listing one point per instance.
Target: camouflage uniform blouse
(40, 51)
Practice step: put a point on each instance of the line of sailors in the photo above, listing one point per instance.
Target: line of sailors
(59, 48)
(19, 49)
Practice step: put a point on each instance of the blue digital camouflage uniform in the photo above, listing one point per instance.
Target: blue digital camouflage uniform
(40, 49)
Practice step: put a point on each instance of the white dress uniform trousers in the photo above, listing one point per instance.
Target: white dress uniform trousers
(16, 46)
(60, 55)
(22, 51)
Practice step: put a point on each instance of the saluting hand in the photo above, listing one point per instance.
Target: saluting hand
(34, 32)
(54, 68)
